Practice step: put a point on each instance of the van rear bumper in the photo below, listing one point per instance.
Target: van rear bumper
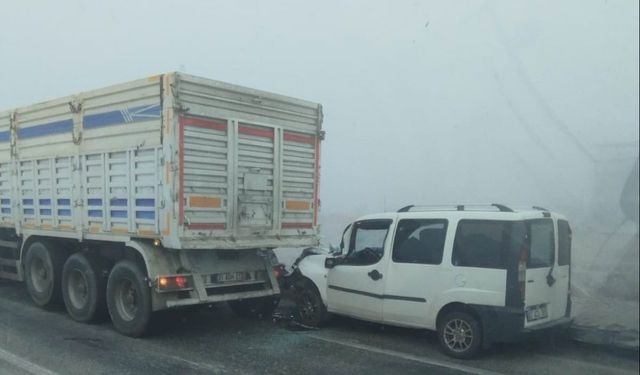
(506, 324)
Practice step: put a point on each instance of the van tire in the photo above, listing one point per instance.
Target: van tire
(261, 308)
(460, 335)
(310, 309)
(84, 288)
(129, 299)
(43, 274)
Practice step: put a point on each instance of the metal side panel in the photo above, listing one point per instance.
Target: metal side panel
(255, 169)
(27, 202)
(120, 192)
(213, 98)
(5, 136)
(122, 116)
(45, 194)
(6, 194)
(246, 185)
(299, 182)
(62, 192)
(44, 130)
(204, 180)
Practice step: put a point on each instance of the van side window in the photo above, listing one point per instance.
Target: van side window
(367, 242)
(419, 241)
(482, 244)
(542, 243)
(564, 243)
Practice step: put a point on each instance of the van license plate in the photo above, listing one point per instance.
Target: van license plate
(537, 312)
(229, 277)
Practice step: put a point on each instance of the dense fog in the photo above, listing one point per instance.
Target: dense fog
(522, 103)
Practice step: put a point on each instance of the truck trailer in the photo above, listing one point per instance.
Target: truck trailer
(168, 191)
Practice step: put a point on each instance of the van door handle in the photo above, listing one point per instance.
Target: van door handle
(375, 275)
(530, 281)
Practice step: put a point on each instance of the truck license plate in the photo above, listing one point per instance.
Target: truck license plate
(536, 312)
(228, 277)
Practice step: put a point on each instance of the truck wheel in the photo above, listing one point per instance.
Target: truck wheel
(262, 307)
(310, 309)
(43, 269)
(83, 288)
(128, 299)
(460, 335)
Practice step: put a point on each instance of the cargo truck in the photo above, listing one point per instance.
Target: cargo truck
(167, 191)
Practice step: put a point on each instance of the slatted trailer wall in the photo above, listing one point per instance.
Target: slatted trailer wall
(194, 162)
(270, 143)
(85, 164)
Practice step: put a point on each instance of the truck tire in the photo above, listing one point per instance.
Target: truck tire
(128, 299)
(260, 308)
(43, 274)
(310, 309)
(84, 287)
(459, 335)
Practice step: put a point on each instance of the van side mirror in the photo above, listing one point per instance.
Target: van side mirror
(330, 262)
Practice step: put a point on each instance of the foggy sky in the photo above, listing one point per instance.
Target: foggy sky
(425, 102)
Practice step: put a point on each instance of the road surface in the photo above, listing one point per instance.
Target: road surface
(211, 340)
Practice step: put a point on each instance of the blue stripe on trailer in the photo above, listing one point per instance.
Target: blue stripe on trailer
(64, 202)
(6, 210)
(118, 213)
(94, 202)
(97, 120)
(64, 212)
(5, 201)
(145, 202)
(123, 116)
(27, 202)
(95, 213)
(145, 215)
(28, 211)
(44, 202)
(50, 128)
(118, 201)
(45, 211)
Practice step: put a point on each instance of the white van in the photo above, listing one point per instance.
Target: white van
(476, 275)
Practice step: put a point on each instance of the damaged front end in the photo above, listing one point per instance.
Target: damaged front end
(293, 275)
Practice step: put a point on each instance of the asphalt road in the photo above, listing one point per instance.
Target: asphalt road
(211, 340)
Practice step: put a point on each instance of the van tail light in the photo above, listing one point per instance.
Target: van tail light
(522, 272)
(174, 283)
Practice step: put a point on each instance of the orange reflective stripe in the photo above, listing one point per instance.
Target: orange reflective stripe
(204, 202)
(298, 205)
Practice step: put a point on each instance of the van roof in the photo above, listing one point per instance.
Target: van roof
(486, 212)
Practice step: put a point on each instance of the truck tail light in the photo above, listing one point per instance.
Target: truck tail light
(174, 283)
(278, 271)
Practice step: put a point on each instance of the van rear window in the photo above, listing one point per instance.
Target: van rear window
(482, 244)
(541, 243)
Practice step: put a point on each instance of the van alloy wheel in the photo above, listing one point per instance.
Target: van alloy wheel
(308, 305)
(310, 310)
(458, 335)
